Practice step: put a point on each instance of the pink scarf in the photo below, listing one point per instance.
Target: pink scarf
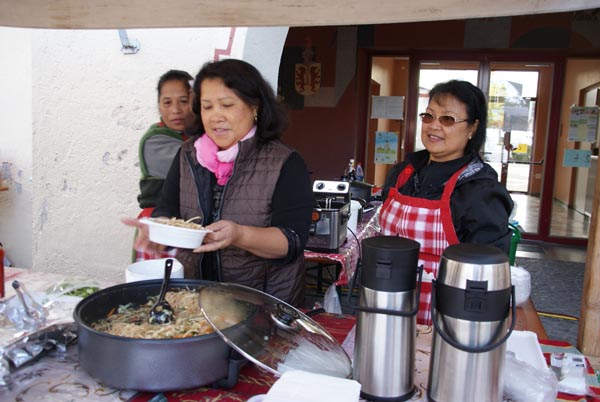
(218, 162)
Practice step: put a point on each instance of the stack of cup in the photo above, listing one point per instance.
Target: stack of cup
(355, 207)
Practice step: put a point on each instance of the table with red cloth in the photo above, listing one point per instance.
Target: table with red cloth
(349, 252)
(63, 379)
(252, 380)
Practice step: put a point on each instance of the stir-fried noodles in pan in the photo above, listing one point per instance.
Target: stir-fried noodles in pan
(131, 321)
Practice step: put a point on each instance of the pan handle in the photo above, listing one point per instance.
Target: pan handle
(315, 311)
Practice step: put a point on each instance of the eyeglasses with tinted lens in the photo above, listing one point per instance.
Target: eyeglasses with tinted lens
(444, 120)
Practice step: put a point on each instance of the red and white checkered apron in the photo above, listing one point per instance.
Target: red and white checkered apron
(428, 222)
(142, 255)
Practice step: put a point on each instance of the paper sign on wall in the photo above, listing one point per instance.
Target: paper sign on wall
(387, 107)
(386, 147)
(577, 158)
(583, 124)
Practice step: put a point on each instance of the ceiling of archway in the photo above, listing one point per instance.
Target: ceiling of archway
(212, 13)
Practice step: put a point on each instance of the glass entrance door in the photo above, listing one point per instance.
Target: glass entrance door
(521, 97)
(511, 147)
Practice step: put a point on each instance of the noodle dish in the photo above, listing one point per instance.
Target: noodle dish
(131, 320)
(175, 232)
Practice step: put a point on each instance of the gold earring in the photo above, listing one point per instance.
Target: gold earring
(255, 117)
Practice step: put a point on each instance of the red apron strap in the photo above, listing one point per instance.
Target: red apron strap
(446, 213)
(404, 175)
(146, 212)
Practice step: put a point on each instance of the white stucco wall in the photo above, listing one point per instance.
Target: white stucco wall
(15, 144)
(263, 49)
(89, 104)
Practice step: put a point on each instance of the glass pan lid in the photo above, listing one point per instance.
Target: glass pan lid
(271, 333)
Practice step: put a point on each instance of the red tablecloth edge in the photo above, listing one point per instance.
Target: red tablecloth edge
(252, 380)
(255, 381)
(590, 371)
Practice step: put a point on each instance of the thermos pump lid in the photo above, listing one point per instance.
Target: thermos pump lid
(389, 263)
(474, 262)
(475, 254)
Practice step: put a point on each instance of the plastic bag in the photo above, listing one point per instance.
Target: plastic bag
(80, 287)
(331, 304)
(525, 383)
(521, 279)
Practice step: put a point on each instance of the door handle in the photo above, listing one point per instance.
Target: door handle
(541, 162)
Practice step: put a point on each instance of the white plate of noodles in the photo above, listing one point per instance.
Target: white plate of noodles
(175, 232)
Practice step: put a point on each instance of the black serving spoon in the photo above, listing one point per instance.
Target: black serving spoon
(162, 312)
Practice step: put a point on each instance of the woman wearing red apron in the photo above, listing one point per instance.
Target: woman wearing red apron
(446, 194)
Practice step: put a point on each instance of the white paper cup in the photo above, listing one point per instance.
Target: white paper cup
(151, 269)
(355, 207)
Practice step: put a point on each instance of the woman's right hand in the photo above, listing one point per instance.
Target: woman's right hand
(142, 241)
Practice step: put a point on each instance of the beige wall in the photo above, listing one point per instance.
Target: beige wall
(392, 74)
(580, 73)
(15, 144)
(383, 72)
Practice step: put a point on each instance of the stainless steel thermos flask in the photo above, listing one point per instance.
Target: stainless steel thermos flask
(470, 308)
(384, 354)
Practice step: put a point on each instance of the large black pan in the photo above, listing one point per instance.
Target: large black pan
(149, 364)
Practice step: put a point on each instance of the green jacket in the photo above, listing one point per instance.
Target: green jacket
(157, 149)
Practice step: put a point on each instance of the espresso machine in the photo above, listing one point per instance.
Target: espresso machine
(330, 216)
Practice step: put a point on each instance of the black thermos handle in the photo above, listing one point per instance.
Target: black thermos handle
(411, 313)
(471, 349)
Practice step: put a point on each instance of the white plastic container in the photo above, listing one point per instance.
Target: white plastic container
(526, 347)
(151, 269)
(174, 236)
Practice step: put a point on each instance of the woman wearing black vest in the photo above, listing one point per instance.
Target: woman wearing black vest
(245, 184)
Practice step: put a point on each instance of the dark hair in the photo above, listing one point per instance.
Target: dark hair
(247, 83)
(476, 104)
(174, 75)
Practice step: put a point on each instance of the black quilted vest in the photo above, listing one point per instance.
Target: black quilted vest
(246, 200)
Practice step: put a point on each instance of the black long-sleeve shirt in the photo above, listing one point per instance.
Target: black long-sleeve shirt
(480, 205)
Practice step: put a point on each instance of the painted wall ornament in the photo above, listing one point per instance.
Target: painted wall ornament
(307, 75)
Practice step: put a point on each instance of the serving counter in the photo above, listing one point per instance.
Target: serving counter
(63, 380)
